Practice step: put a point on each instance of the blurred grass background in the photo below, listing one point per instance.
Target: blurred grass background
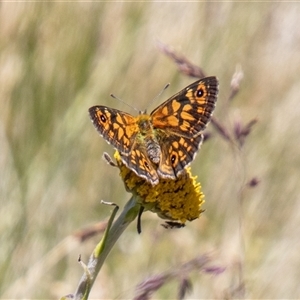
(58, 59)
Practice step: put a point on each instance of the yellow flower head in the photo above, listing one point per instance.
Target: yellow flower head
(175, 200)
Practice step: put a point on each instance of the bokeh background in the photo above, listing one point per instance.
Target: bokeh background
(58, 59)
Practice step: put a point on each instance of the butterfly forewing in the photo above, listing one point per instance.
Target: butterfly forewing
(116, 127)
(188, 112)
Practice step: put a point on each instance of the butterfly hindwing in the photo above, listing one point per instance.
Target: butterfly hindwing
(139, 162)
(177, 152)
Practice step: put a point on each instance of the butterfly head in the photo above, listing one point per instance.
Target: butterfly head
(143, 112)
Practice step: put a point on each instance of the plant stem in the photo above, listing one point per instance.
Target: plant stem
(101, 251)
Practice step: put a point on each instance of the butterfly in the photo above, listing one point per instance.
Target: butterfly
(160, 144)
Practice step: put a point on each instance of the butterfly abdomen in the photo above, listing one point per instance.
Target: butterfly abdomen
(148, 138)
(153, 149)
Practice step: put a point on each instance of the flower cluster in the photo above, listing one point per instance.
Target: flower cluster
(175, 200)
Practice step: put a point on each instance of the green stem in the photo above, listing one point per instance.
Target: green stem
(111, 235)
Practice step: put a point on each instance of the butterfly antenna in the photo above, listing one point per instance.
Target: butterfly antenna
(140, 111)
(159, 94)
(115, 97)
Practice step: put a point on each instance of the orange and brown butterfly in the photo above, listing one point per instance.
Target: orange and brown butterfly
(162, 144)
